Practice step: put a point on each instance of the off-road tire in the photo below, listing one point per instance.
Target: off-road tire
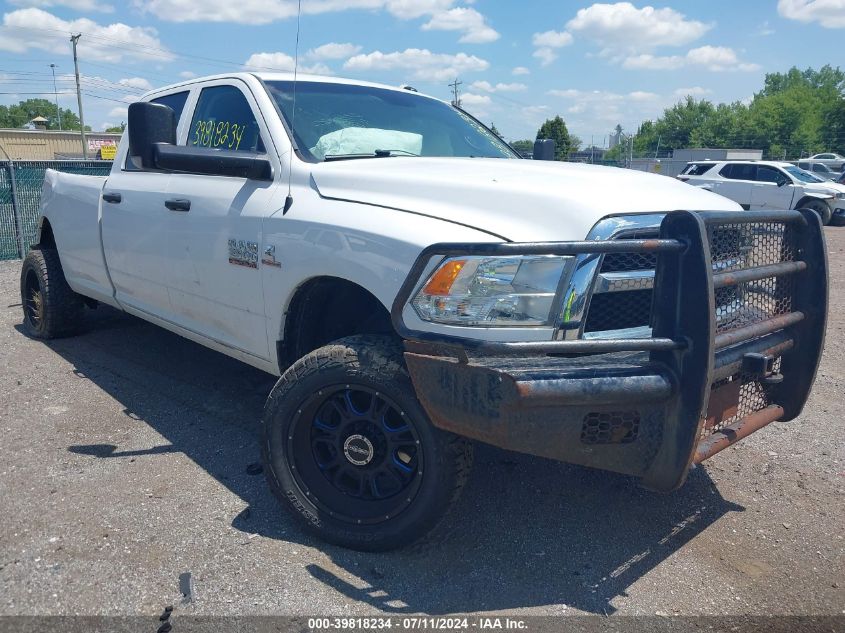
(50, 308)
(822, 208)
(374, 363)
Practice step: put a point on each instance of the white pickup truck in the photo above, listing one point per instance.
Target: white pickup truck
(416, 284)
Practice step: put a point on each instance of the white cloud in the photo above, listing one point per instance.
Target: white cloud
(829, 13)
(267, 11)
(118, 112)
(471, 22)
(420, 63)
(78, 5)
(486, 86)
(33, 28)
(624, 27)
(136, 82)
(187, 74)
(712, 58)
(282, 62)
(333, 50)
(545, 55)
(640, 95)
(552, 39)
(694, 91)
(470, 99)
(520, 70)
(547, 42)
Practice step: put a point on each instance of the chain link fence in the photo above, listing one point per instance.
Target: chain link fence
(20, 198)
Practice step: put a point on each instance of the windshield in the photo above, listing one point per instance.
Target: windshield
(800, 174)
(347, 121)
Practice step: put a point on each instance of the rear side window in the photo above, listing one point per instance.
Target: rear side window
(223, 119)
(175, 101)
(739, 171)
(697, 169)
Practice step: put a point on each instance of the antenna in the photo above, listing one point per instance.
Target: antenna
(289, 198)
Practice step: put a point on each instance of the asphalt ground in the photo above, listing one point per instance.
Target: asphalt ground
(128, 458)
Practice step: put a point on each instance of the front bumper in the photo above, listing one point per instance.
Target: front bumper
(647, 407)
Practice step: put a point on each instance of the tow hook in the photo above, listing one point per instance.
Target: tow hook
(761, 367)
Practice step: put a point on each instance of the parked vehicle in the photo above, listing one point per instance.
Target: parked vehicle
(769, 185)
(819, 169)
(414, 284)
(836, 162)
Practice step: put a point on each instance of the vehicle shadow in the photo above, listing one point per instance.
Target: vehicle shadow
(527, 532)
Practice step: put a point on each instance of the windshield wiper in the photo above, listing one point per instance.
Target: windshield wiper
(379, 153)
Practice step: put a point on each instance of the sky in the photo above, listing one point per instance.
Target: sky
(595, 64)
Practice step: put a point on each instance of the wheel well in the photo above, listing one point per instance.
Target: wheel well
(45, 237)
(804, 201)
(325, 309)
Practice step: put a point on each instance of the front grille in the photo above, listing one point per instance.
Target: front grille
(627, 308)
(619, 310)
(626, 262)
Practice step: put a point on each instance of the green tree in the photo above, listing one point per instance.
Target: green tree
(555, 129)
(117, 129)
(798, 112)
(495, 131)
(523, 146)
(19, 115)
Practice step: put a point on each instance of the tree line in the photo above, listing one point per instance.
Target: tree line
(796, 114)
(20, 114)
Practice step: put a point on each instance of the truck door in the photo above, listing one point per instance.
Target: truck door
(134, 226)
(772, 189)
(214, 233)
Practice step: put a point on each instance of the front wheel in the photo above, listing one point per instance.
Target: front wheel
(822, 208)
(350, 452)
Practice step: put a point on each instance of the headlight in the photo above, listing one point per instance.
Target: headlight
(840, 195)
(491, 291)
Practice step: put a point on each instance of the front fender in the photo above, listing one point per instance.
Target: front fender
(817, 196)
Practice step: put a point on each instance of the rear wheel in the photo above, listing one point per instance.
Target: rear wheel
(350, 451)
(50, 308)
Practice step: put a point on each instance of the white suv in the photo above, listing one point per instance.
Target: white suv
(769, 185)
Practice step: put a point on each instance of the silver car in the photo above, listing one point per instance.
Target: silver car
(819, 169)
(834, 161)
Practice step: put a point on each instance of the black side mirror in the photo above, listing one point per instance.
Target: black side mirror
(149, 123)
(782, 183)
(544, 149)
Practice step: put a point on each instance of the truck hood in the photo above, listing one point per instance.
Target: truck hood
(517, 200)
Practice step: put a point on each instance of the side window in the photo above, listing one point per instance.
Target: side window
(769, 174)
(727, 171)
(223, 119)
(746, 172)
(176, 101)
(697, 169)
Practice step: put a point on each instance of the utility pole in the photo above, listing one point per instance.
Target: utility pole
(456, 101)
(74, 39)
(56, 95)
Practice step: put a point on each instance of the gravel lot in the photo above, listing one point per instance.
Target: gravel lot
(125, 457)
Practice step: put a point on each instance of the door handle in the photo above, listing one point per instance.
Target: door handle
(178, 204)
(112, 197)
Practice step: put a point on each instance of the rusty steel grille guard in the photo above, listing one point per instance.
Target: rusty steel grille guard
(637, 405)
